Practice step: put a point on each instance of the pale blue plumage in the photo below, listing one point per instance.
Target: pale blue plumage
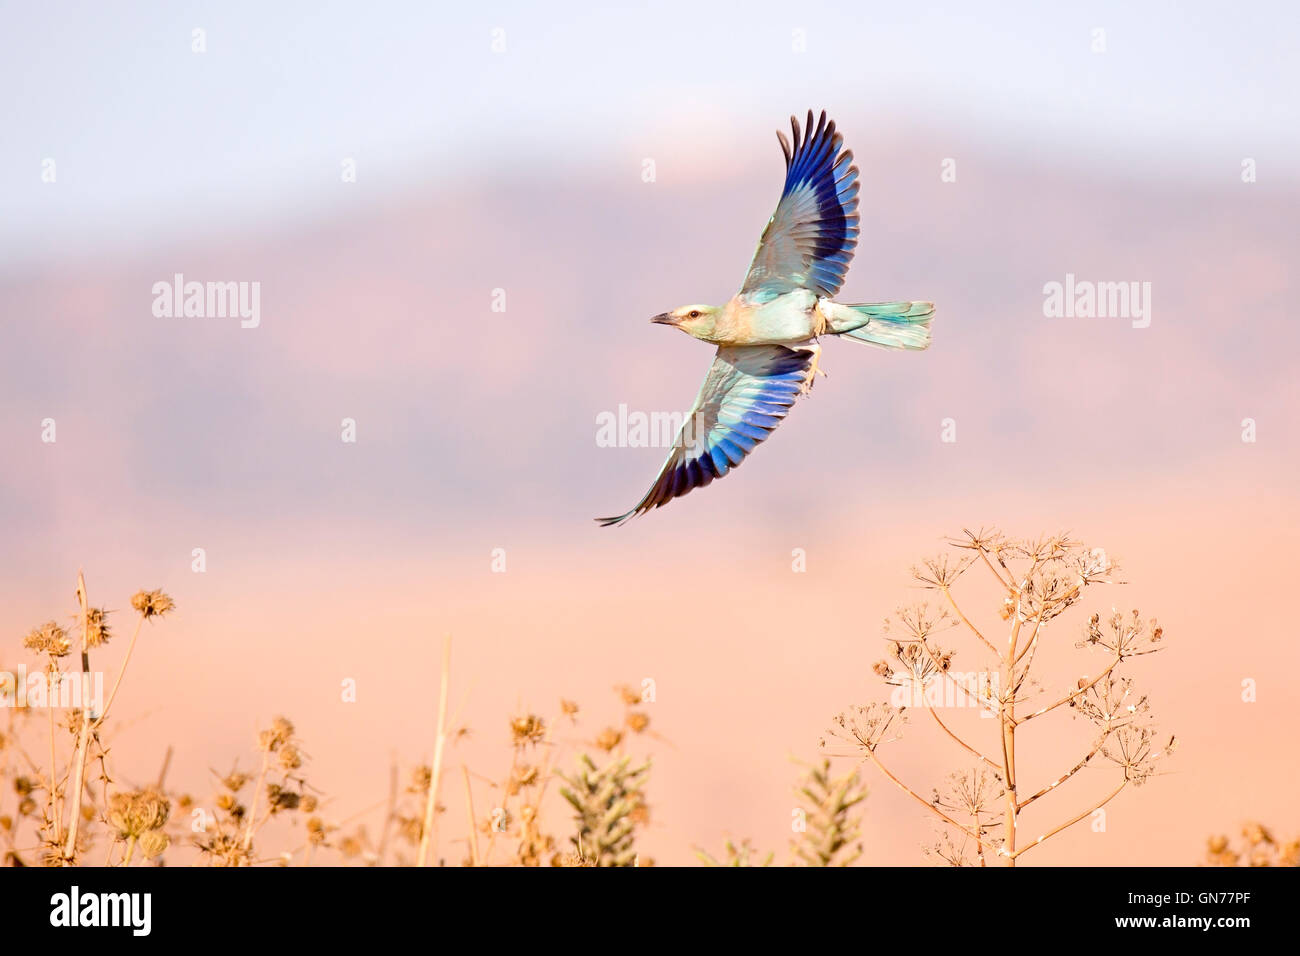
(767, 334)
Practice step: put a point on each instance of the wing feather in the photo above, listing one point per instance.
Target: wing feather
(747, 392)
(810, 239)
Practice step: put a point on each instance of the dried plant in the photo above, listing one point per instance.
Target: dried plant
(58, 823)
(1035, 583)
(1256, 847)
(269, 814)
(742, 855)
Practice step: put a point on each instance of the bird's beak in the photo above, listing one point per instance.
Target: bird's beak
(663, 318)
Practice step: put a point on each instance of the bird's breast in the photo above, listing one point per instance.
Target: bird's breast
(790, 317)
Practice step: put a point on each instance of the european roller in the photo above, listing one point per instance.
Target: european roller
(768, 334)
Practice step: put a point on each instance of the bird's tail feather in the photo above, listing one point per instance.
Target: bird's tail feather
(889, 325)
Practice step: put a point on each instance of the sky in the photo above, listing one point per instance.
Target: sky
(150, 137)
(1000, 153)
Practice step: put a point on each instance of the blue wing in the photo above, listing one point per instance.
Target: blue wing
(810, 238)
(748, 391)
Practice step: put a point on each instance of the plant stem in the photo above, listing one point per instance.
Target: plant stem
(83, 736)
(1073, 820)
(54, 798)
(431, 805)
(120, 674)
(469, 809)
(257, 792)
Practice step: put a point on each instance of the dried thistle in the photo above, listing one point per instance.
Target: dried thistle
(528, 729)
(48, 638)
(152, 604)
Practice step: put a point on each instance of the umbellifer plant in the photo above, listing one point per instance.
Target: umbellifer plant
(1034, 583)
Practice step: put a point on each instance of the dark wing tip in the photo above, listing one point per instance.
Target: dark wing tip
(785, 147)
(618, 519)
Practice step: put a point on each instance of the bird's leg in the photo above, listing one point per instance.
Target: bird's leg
(814, 369)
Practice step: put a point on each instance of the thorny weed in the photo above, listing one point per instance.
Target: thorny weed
(67, 802)
(1256, 847)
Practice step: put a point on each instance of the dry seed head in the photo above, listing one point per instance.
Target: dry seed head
(1255, 834)
(421, 778)
(290, 758)
(152, 603)
(638, 721)
(309, 803)
(133, 813)
(48, 638)
(235, 782)
(630, 695)
(609, 738)
(26, 807)
(281, 798)
(153, 843)
(569, 708)
(277, 736)
(528, 729)
(526, 775)
(97, 629)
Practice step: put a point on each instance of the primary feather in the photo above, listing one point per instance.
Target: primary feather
(767, 334)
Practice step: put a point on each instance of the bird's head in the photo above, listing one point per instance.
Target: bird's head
(696, 320)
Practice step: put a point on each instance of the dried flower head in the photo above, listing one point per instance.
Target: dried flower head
(152, 603)
(48, 638)
(282, 798)
(865, 728)
(153, 843)
(290, 757)
(279, 734)
(528, 729)
(97, 629)
(421, 779)
(133, 813)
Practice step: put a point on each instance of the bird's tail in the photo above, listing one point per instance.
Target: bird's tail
(889, 325)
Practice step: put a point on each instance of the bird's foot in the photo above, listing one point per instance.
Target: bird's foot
(814, 369)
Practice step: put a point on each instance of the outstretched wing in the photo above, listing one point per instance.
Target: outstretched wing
(747, 392)
(810, 238)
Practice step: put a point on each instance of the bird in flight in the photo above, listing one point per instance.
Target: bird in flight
(767, 335)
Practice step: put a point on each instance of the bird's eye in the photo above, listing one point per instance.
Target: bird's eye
(695, 313)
